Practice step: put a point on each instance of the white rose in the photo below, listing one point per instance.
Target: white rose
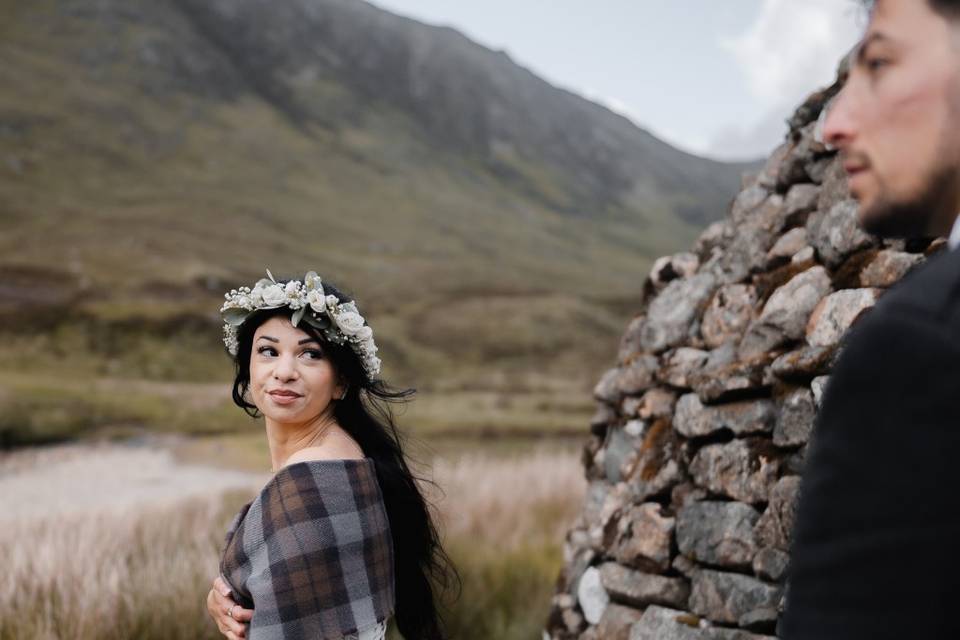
(291, 288)
(316, 301)
(364, 334)
(349, 323)
(274, 296)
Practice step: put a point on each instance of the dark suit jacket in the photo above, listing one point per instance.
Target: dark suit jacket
(876, 549)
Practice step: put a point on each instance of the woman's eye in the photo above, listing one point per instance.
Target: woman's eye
(262, 349)
(875, 63)
(314, 353)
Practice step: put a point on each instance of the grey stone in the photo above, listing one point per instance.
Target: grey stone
(693, 419)
(800, 201)
(643, 538)
(613, 503)
(818, 385)
(787, 246)
(834, 187)
(593, 500)
(712, 238)
(817, 169)
(685, 566)
(805, 256)
(679, 365)
(655, 470)
(660, 623)
(775, 526)
(747, 202)
(836, 313)
(638, 375)
(888, 268)
(619, 448)
(746, 253)
(727, 382)
(718, 533)
(602, 417)
(836, 233)
(795, 422)
(639, 589)
(728, 315)
(630, 346)
(726, 597)
(785, 315)
(741, 469)
(668, 268)
(796, 461)
(760, 619)
(771, 168)
(804, 363)
(793, 168)
(771, 564)
(672, 312)
(591, 595)
(606, 388)
(616, 621)
(686, 493)
(657, 403)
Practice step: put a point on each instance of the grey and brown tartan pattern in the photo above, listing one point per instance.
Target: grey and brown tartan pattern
(312, 553)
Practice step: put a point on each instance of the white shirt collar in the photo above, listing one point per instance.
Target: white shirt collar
(954, 240)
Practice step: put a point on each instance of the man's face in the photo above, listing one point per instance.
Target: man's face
(897, 121)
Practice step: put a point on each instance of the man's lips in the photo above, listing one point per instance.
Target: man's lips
(853, 168)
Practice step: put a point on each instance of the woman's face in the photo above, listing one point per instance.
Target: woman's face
(286, 359)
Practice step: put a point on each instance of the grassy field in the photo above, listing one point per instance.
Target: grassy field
(144, 573)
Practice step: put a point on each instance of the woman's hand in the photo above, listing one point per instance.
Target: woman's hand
(219, 604)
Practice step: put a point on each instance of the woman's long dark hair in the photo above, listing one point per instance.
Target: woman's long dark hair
(420, 562)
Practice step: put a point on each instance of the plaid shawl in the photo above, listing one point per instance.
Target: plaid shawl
(312, 553)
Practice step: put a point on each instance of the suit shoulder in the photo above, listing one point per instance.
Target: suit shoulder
(931, 289)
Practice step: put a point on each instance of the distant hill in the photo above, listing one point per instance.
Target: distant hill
(155, 152)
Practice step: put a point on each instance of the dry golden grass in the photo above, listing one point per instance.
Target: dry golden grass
(510, 501)
(143, 572)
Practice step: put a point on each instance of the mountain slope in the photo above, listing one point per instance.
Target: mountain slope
(154, 153)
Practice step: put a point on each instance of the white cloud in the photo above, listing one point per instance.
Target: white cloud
(793, 47)
(791, 50)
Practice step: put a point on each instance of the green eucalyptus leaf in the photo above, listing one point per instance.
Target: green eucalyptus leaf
(235, 316)
(298, 314)
(320, 323)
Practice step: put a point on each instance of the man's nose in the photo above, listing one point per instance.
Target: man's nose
(837, 125)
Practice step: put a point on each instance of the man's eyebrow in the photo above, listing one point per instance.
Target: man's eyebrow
(876, 36)
(304, 341)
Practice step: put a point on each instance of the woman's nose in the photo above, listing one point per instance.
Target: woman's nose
(285, 368)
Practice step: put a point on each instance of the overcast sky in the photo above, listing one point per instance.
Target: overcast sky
(714, 77)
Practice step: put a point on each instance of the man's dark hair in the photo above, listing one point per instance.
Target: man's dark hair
(946, 8)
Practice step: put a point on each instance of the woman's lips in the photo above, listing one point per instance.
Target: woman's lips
(283, 398)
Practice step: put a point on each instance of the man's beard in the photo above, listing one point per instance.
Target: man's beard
(922, 216)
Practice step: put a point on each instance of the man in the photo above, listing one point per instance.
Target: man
(875, 551)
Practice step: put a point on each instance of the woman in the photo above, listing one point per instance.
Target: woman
(340, 538)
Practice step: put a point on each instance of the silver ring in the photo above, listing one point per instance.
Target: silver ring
(230, 610)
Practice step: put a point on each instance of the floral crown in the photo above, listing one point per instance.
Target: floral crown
(340, 322)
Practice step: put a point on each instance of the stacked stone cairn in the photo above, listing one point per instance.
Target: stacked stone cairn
(696, 452)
